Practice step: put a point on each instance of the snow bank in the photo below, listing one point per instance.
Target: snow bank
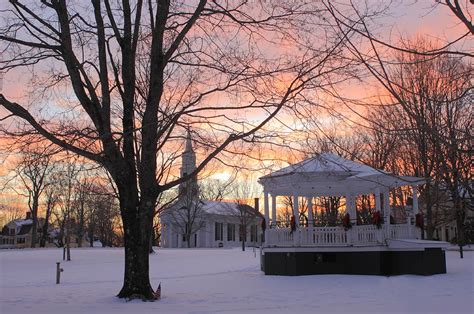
(217, 281)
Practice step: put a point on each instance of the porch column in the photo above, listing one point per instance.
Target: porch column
(266, 208)
(296, 210)
(274, 211)
(310, 211)
(386, 210)
(267, 213)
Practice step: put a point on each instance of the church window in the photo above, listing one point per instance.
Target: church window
(253, 233)
(219, 232)
(230, 232)
(242, 233)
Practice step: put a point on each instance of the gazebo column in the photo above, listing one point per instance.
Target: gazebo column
(353, 209)
(296, 210)
(310, 211)
(386, 210)
(274, 211)
(378, 208)
(377, 200)
(350, 209)
(266, 208)
(296, 233)
(416, 210)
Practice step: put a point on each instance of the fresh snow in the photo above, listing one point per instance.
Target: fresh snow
(220, 281)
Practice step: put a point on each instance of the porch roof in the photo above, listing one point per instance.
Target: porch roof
(329, 175)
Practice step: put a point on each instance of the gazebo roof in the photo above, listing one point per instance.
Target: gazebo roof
(327, 174)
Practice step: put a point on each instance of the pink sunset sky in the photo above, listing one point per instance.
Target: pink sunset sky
(405, 19)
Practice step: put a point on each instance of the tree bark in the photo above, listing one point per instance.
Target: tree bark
(137, 217)
(34, 216)
(44, 235)
(137, 242)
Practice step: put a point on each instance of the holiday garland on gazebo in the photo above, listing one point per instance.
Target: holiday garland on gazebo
(377, 219)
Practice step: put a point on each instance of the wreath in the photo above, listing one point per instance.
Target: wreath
(292, 223)
(377, 219)
(346, 222)
(419, 221)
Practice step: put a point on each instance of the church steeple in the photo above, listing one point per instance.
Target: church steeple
(188, 165)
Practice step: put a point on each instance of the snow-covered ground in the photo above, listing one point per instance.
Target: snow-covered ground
(220, 281)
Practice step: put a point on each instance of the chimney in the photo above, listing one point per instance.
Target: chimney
(256, 204)
(28, 215)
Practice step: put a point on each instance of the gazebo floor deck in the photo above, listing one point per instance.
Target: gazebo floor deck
(398, 257)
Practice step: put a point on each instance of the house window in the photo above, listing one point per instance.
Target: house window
(230, 232)
(242, 233)
(185, 232)
(219, 231)
(253, 233)
(12, 232)
(20, 240)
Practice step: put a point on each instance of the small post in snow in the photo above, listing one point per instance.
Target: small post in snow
(58, 272)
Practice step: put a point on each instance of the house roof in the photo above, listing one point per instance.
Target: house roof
(25, 229)
(22, 222)
(217, 208)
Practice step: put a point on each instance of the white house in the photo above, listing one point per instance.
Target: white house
(18, 233)
(207, 223)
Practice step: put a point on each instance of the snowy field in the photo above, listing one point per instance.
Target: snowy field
(220, 281)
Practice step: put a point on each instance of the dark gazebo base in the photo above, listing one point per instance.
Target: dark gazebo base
(353, 261)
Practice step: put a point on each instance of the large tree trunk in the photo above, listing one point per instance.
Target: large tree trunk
(152, 238)
(34, 216)
(44, 235)
(460, 217)
(136, 278)
(90, 234)
(188, 240)
(137, 218)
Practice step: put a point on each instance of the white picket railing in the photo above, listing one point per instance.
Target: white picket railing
(337, 236)
(368, 234)
(323, 236)
(403, 232)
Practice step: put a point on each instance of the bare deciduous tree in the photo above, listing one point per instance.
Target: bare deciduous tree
(187, 215)
(142, 70)
(33, 170)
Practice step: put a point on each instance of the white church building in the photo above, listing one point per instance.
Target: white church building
(207, 223)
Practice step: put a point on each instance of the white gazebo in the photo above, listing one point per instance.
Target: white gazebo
(330, 175)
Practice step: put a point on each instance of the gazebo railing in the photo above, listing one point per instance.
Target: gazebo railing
(368, 234)
(323, 236)
(337, 236)
(279, 237)
(402, 231)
